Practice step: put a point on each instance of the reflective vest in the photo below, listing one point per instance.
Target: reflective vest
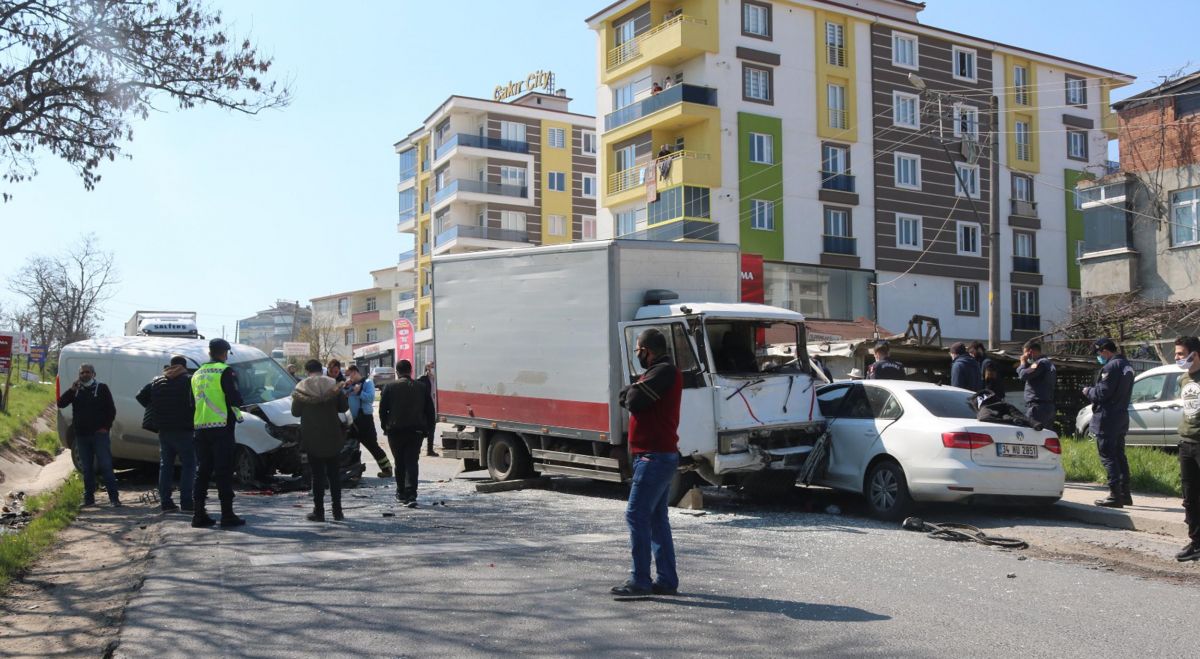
(211, 408)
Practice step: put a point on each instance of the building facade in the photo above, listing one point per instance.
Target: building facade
(358, 326)
(271, 328)
(830, 139)
(485, 174)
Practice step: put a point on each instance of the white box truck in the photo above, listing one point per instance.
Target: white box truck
(533, 345)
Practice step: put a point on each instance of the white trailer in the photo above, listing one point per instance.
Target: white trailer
(178, 324)
(534, 344)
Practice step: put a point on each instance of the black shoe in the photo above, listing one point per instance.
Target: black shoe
(1190, 552)
(385, 473)
(1126, 498)
(432, 453)
(660, 589)
(411, 503)
(115, 503)
(337, 515)
(169, 508)
(1109, 502)
(88, 503)
(400, 498)
(630, 590)
(202, 521)
(230, 521)
(314, 516)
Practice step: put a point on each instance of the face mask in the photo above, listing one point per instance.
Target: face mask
(644, 359)
(1101, 360)
(1183, 363)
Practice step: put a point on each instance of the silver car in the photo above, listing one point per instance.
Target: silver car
(382, 375)
(1155, 409)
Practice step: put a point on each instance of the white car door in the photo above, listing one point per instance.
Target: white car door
(852, 430)
(1147, 416)
(697, 432)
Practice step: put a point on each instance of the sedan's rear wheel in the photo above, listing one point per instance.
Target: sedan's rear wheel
(887, 491)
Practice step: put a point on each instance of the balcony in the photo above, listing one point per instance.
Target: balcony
(408, 220)
(846, 245)
(1026, 264)
(837, 182)
(678, 230)
(1108, 272)
(408, 176)
(691, 105)
(1022, 322)
(669, 43)
(471, 186)
(681, 168)
(364, 316)
(458, 232)
(839, 118)
(479, 142)
(1024, 208)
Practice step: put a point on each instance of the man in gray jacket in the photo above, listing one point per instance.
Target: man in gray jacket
(317, 401)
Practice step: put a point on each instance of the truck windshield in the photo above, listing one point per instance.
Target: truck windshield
(744, 347)
(262, 381)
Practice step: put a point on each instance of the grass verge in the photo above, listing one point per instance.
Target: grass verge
(53, 512)
(28, 399)
(1152, 470)
(48, 443)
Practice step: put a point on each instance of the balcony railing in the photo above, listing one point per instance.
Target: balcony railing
(1027, 264)
(408, 174)
(835, 55)
(406, 296)
(839, 118)
(485, 233)
(425, 207)
(1026, 322)
(1024, 208)
(636, 176)
(679, 230)
(1024, 152)
(480, 142)
(840, 245)
(838, 182)
(481, 187)
(681, 93)
(406, 256)
(407, 215)
(632, 49)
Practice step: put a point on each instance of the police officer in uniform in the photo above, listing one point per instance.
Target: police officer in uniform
(1040, 377)
(1110, 419)
(214, 387)
(884, 367)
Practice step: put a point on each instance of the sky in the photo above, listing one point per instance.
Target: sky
(225, 213)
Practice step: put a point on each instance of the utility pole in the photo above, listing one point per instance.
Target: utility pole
(994, 228)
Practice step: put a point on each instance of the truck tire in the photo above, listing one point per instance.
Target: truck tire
(508, 459)
(683, 482)
(886, 490)
(471, 465)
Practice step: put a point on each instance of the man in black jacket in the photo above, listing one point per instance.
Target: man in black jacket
(1110, 420)
(169, 411)
(1040, 378)
(427, 380)
(92, 415)
(964, 371)
(406, 414)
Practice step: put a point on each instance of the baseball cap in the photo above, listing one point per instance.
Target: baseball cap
(1104, 344)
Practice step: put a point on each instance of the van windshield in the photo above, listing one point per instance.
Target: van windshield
(262, 381)
(744, 347)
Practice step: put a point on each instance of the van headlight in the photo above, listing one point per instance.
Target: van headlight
(737, 442)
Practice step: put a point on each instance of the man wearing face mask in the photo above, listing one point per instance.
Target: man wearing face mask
(92, 415)
(1110, 419)
(1187, 356)
(171, 411)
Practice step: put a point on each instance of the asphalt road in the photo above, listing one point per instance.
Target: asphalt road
(528, 572)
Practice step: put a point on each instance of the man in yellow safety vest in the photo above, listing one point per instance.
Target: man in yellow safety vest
(214, 387)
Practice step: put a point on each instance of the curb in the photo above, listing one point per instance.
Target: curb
(1121, 518)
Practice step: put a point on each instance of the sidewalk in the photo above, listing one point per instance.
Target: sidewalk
(1150, 513)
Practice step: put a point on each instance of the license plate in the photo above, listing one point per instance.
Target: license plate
(1016, 451)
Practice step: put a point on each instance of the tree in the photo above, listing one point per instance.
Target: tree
(75, 73)
(321, 337)
(64, 294)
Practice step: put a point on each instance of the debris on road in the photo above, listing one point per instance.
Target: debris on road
(962, 533)
(490, 487)
(13, 516)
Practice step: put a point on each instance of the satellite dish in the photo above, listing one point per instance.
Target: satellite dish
(971, 151)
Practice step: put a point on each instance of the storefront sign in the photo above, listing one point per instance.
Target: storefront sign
(295, 349)
(6, 350)
(752, 278)
(405, 348)
(539, 79)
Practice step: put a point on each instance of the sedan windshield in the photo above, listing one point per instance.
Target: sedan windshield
(262, 381)
(945, 403)
(744, 347)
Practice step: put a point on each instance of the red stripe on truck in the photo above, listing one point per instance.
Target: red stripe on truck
(522, 409)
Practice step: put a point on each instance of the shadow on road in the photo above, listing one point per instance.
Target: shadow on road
(793, 610)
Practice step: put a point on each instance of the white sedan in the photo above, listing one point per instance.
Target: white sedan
(898, 442)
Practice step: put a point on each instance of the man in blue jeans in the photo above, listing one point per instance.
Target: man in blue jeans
(653, 404)
(92, 415)
(169, 411)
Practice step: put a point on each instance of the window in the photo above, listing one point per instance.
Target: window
(512, 130)
(343, 305)
(588, 223)
(1025, 303)
(1076, 91)
(349, 337)
(512, 220)
(906, 110)
(837, 222)
(556, 225)
(1148, 390)
(408, 164)
(966, 183)
(371, 304)
(558, 138)
(1079, 250)
(834, 159)
(908, 170)
(627, 222)
(966, 122)
(836, 102)
(964, 64)
(556, 181)
(1022, 138)
(762, 148)
(1185, 217)
(1077, 144)
(968, 239)
(966, 298)
(756, 20)
(1020, 85)
(904, 51)
(512, 175)
(1022, 188)
(1023, 244)
(756, 84)
(908, 232)
(835, 44)
(372, 335)
(589, 185)
(589, 142)
(762, 214)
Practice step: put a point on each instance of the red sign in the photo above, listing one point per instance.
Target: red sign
(752, 278)
(405, 348)
(6, 348)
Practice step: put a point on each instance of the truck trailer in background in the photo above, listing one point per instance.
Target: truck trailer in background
(178, 324)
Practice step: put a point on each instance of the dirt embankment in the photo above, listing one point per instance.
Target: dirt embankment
(19, 460)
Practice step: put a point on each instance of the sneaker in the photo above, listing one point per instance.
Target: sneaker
(660, 589)
(630, 590)
(411, 503)
(202, 522)
(386, 473)
(400, 498)
(1109, 502)
(1190, 552)
(230, 521)
(169, 508)
(312, 517)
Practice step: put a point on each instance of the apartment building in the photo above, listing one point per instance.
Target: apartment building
(794, 128)
(271, 328)
(357, 326)
(483, 174)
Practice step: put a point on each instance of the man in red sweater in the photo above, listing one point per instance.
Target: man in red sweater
(653, 404)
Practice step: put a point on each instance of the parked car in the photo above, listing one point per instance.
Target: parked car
(1155, 409)
(382, 375)
(900, 442)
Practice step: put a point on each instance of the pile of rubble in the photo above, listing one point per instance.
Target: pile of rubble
(13, 515)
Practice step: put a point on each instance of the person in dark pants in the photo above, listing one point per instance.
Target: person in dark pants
(92, 415)
(964, 371)
(653, 403)
(427, 380)
(317, 401)
(1040, 377)
(405, 412)
(1110, 420)
(1187, 357)
(884, 367)
(218, 409)
(170, 410)
(361, 394)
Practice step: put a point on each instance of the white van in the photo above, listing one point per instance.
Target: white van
(268, 439)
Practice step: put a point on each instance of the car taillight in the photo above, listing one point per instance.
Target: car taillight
(57, 389)
(1053, 445)
(968, 440)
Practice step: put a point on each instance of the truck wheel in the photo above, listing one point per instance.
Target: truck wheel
(683, 483)
(247, 468)
(508, 459)
(887, 491)
(471, 465)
